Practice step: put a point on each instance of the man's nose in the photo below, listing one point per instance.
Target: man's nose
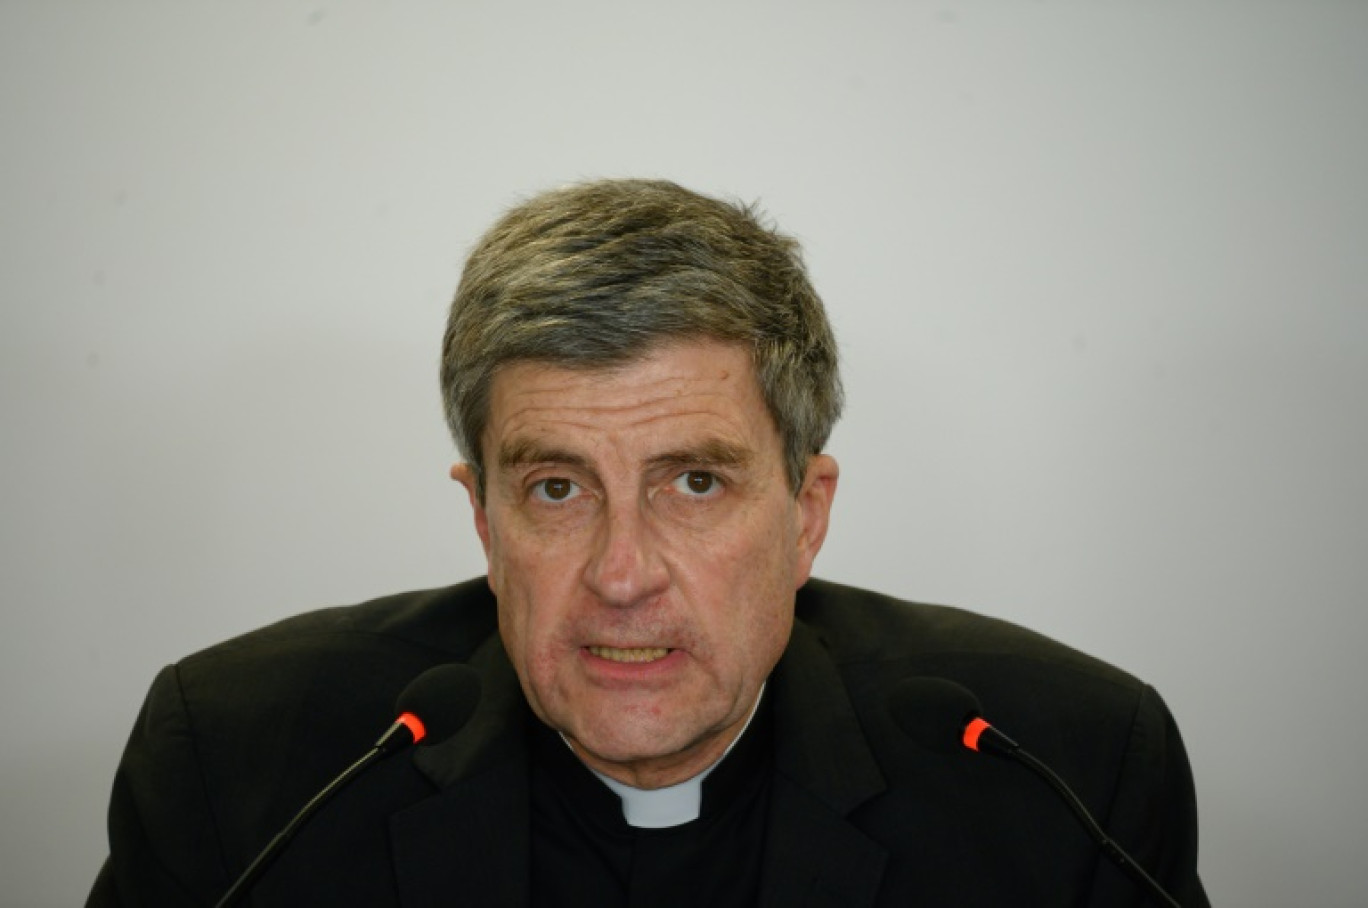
(625, 568)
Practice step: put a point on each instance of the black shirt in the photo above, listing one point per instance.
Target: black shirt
(585, 853)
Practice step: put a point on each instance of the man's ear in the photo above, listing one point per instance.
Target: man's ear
(814, 512)
(464, 473)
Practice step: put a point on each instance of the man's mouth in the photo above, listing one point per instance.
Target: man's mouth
(640, 654)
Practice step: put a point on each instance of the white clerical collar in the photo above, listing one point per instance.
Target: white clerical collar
(659, 808)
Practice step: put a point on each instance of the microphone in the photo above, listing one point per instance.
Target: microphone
(944, 716)
(434, 706)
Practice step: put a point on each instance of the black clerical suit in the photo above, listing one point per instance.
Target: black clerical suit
(233, 740)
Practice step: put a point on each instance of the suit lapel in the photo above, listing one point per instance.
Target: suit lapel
(823, 770)
(460, 848)
(470, 843)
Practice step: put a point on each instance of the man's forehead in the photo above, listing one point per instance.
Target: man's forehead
(706, 451)
(700, 398)
(705, 356)
(719, 373)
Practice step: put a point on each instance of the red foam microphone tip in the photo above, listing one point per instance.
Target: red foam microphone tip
(973, 731)
(415, 726)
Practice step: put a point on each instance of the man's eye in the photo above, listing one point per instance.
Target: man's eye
(697, 483)
(555, 489)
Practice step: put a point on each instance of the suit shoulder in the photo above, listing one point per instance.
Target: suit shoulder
(861, 626)
(375, 647)
(1043, 691)
(330, 677)
(442, 618)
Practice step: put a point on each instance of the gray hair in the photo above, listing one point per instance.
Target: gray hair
(600, 274)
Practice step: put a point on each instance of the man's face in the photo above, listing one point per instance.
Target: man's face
(644, 548)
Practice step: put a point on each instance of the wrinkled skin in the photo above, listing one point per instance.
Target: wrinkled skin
(644, 547)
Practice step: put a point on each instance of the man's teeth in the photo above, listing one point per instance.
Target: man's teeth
(645, 654)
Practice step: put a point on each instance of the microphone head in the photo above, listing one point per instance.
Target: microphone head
(442, 698)
(933, 711)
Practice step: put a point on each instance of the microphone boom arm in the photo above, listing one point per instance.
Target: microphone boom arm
(282, 838)
(1109, 847)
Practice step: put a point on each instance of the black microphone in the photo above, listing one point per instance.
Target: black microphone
(434, 706)
(944, 716)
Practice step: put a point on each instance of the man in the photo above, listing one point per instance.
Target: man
(641, 381)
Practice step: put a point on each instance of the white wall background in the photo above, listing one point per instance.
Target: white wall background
(1099, 273)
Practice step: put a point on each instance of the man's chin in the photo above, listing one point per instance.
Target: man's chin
(626, 750)
(645, 759)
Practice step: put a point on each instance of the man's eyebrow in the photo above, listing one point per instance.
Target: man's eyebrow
(522, 452)
(711, 453)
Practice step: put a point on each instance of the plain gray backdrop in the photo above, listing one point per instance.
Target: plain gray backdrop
(1098, 271)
